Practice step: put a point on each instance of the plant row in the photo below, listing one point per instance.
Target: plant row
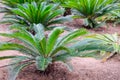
(31, 18)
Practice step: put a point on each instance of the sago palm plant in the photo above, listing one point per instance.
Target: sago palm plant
(112, 41)
(90, 10)
(38, 49)
(33, 13)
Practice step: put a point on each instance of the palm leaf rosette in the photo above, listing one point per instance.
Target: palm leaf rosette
(37, 49)
(90, 10)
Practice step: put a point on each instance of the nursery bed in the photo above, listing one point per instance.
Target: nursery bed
(83, 68)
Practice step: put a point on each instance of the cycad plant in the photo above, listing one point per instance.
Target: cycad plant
(90, 10)
(111, 41)
(33, 13)
(38, 49)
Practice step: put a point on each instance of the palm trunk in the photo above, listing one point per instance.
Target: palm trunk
(67, 11)
(112, 55)
(109, 57)
(90, 23)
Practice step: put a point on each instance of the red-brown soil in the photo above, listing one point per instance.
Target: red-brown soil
(83, 68)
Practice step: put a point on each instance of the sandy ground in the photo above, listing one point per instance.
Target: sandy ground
(83, 68)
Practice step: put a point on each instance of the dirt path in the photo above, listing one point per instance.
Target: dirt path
(91, 69)
(83, 68)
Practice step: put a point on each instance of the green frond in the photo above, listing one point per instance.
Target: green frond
(61, 20)
(40, 38)
(39, 29)
(24, 36)
(62, 57)
(13, 46)
(71, 36)
(54, 14)
(7, 57)
(17, 64)
(60, 48)
(90, 44)
(52, 39)
(15, 69)
(111, 40)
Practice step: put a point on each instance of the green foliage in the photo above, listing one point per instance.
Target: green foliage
(114, 17)
(37, 48)
(10, 4)
(33, 13)
(110, 40)
(92, 9)
(60, 1)
(90, 47)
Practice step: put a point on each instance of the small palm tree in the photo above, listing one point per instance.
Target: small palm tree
(90, 10)
(111, 41)
(33, 13)
(37, 48)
